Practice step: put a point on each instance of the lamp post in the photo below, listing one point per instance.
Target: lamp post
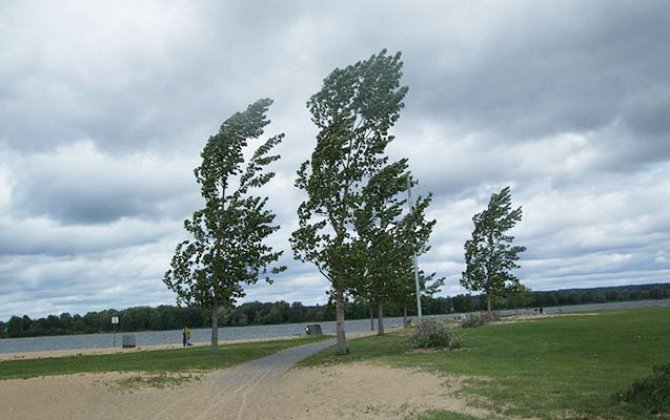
(416, 270)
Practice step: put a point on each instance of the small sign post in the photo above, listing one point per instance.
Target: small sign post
(115, 322)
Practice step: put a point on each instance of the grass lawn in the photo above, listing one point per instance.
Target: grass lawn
(156, 361)
(563, 367)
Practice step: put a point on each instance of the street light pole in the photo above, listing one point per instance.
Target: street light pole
(416, 270)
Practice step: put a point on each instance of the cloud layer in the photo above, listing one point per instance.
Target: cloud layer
(104, 109)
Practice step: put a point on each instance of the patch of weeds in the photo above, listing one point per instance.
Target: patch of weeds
(404, 411)
(431, 333)
(443, 415)
(651, 393)
(474, 320)
(159, 381)
(371, 409)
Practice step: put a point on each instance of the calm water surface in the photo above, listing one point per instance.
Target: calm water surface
(92, 341)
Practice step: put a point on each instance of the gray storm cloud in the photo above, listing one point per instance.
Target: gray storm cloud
(104, 110)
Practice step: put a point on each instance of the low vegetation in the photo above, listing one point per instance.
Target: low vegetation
(560, 367)
(159, 381)
(155, 361)
(477, 320)
(651, 393)
(431, 333)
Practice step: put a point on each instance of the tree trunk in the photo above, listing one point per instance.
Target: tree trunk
(215, 329)
(339, 322)
(488, 303)
(372, 320)
(380, 318)
(404, 315)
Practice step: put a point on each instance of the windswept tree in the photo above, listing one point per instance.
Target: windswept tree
(521, 297)
(490, 255)
(429, 285)
(388, 238)
(228, 248)
(354, 111)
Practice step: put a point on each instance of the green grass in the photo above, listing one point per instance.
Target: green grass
(444, 415)
(546, 368)
(156, 361)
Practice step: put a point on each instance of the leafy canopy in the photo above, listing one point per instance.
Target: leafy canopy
(354, 110)
(389, 238)
(227, 249)
(490, 255)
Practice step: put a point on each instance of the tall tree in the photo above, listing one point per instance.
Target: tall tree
(354, 111)
(228, 249)
(490, 255)
(389, 238)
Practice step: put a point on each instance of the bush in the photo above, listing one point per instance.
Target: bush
(431, 333)
(651, 393)
(472, 321)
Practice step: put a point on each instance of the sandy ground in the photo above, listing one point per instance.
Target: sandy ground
(77, 352)
(267, 388)
(357, 391)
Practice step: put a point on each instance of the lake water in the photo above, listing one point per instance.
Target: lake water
(93, 341)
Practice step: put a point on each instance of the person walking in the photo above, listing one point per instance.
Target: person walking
(184, 339)
(188, 336)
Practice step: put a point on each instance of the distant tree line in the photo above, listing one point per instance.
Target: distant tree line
(167, 317)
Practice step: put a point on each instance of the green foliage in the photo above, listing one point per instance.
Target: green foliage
(477, 320)
(651, 393)
(431, 333)
(563, 367)
(229, 231)
(519, 297)
(228, 249)
(490, 255)
(354, 111)
(154, 361)
(388, 240)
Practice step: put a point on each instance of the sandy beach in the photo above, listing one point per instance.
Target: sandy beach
(110, 350)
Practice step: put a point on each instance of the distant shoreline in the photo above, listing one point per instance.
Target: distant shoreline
(106, 342)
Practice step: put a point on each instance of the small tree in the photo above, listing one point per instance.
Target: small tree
(429, 285)
(388, 238)
(490, 255)
(354, 111)
(520, 297)
(228, 247)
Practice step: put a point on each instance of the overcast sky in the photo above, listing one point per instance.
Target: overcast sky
(105, 107)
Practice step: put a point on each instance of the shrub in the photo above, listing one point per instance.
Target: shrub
(651, 393)
(431, 333)
(474, 320)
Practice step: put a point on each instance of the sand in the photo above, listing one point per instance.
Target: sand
(354, 391)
